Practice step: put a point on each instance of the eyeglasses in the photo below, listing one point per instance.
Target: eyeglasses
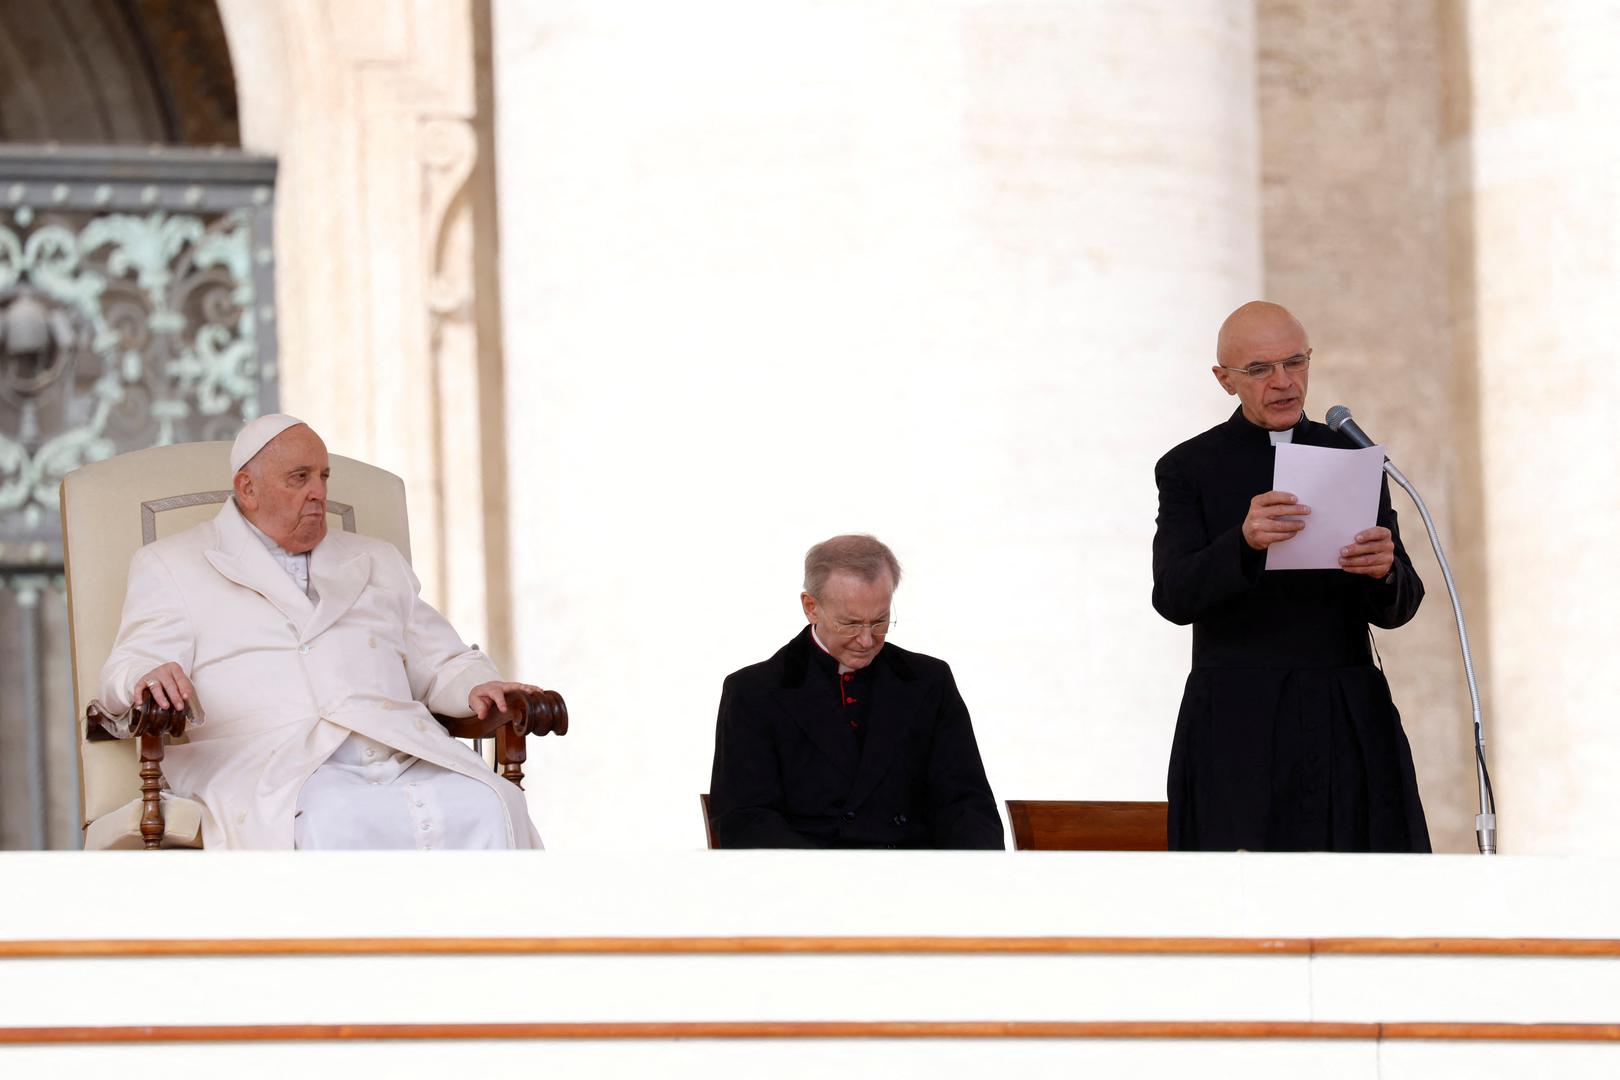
(1294, 365)
(851, 629)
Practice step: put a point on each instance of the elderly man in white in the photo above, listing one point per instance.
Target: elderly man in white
(318, 663)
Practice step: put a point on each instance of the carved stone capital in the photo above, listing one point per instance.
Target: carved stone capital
(447, 148)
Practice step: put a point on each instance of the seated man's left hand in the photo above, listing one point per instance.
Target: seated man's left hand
(1372, 554)
(482, 696)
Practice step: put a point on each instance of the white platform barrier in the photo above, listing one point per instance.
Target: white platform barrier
(801, 964)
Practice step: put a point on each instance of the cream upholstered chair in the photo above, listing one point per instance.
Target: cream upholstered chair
(109, 510)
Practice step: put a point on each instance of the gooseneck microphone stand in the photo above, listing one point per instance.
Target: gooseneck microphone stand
(1338, 418)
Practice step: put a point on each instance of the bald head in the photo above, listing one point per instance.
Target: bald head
(1258, 337)
(1256, 321)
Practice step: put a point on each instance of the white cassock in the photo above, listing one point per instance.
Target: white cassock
(316, 675)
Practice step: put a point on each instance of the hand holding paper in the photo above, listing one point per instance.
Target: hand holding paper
(1372, 554)
(1341, 488)
(1274, 516)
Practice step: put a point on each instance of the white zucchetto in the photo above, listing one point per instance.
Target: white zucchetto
(256, 434)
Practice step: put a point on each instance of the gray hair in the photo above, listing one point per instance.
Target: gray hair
(860, 554)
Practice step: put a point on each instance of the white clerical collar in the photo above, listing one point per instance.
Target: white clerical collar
(296, 565)
(842, 667)
(1286, 435)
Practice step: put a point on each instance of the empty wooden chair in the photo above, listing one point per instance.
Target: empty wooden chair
(1059, 825)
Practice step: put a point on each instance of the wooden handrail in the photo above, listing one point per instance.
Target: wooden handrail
(776, 1029)
(145, 948)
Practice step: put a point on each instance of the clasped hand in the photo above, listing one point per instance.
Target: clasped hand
(1275, 516)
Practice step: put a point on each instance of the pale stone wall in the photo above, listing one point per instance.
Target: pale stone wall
(1355, 185)
(387, 343)
(1536, 154)
(946, 272)
(950, 272)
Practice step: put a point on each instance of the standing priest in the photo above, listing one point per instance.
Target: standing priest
(841, 740)
(1287, 738)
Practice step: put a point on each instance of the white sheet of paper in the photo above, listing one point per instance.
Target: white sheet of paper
(1341, 487)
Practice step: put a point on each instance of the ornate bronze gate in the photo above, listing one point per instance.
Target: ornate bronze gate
(136, 310)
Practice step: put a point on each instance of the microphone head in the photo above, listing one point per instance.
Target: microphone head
(1336, 416)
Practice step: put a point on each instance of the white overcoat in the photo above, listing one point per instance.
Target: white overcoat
(283, 681)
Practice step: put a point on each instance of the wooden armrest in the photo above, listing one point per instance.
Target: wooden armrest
(149, 726)
(543, 713)
(145, 718)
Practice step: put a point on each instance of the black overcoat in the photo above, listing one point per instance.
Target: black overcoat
(786, 774)
(1287, 739)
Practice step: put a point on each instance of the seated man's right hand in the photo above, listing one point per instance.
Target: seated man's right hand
(169, 685)
(1270, 519)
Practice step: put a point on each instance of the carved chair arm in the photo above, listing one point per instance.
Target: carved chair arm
(149, 725)
(544, 713)
(148, 718)
(145, 717)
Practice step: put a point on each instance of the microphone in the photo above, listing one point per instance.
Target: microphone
(1339, 419)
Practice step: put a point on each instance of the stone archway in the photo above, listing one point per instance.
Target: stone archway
(113, 72)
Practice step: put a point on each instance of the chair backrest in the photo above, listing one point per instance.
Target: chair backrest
(110, 509)
(1056, 825)
(708, 822)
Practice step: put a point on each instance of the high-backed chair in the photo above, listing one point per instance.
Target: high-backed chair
(112, 508)
(1060, 825)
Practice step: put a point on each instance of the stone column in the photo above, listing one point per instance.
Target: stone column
(1536, 151)
(944, 271)
(1356, 244)
(372, 108)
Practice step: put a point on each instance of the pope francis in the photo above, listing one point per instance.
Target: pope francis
(318, 663)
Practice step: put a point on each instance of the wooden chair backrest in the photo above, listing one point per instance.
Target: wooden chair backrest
(708, 822)
(1058, 825)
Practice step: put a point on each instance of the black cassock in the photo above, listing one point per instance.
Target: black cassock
(1287, 739)
(884, 759)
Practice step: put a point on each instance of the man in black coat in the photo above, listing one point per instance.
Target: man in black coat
(1287, 739)
(841, 740)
